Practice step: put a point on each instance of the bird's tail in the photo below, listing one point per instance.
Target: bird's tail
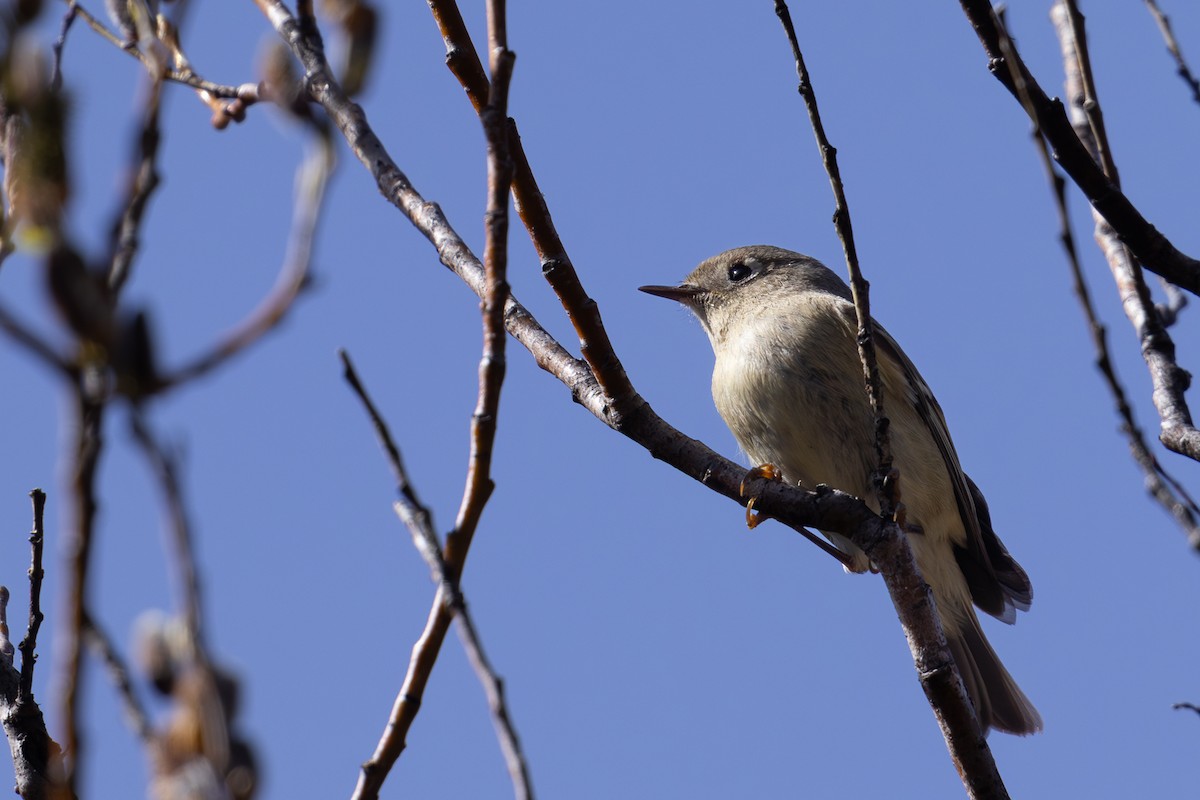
(999, 702)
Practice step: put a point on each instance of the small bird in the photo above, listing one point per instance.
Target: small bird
(789, 385)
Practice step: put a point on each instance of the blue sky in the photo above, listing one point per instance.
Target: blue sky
(651, 646)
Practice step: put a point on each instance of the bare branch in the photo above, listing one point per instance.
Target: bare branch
(938, 672)
(412, 512)
(28, 646)
(37, 759)
(84, 462)
(557, 268)
(1169, 380)
(187, 77)
(1181, 67)
(1158, 482)
(886, 485)
(1152, 249)
(448, 603)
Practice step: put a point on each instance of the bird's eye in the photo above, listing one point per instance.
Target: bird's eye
(739, 272)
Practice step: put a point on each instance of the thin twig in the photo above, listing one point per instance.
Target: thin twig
(90, 406)
(1158, 482)
(479, 484)
(448, 603)
(187, 78)
(1181, 67)
(1151, 248)
(28, 646)
(135, 712)
(886, 486)
(411, 510)
(935, 665)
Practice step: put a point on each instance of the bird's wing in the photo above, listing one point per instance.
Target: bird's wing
(998, 584)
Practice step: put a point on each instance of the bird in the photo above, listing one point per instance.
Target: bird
(788, 382)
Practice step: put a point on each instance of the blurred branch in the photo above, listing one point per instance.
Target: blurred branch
(1181, 67)
(935, 665)
(127, 227)
(88, 444)
(57, 49)
(312, 180)
(1152, 249)
(1158, 482)
(135, 712)
(185, 77)
(1169, 380)
(166, 471)
(34, 344)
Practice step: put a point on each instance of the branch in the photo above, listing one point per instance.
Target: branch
(938, 672)
(557, 268)
(37, 759)
(1169, 381)
(243, 94)
(1181, 67)
(28, 646)
(1158, 482)
(448, 603)
(1151, 248)
(886, 484)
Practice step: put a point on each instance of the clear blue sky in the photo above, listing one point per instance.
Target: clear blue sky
(651, 646)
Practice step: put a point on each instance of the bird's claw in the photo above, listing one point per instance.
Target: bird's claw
(771, 473)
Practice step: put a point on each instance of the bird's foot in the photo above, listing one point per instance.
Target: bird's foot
(771, 473)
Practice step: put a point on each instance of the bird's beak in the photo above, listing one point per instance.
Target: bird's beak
(684, 293)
